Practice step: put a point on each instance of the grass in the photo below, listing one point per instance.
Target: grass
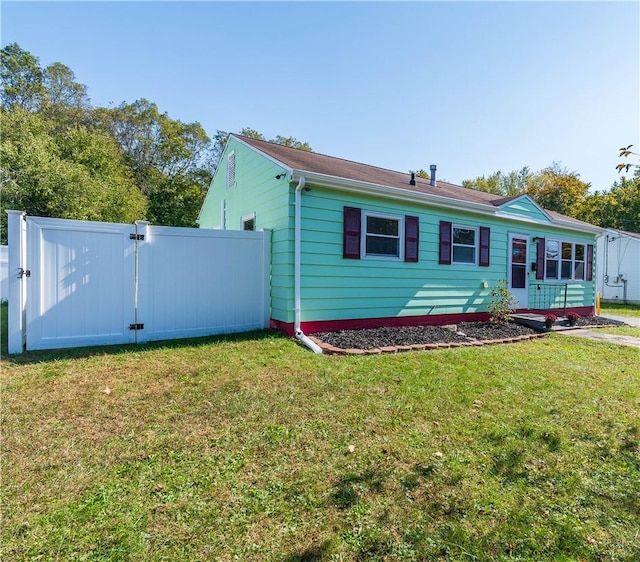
(632, 331)
(251, 448)
(619, 309)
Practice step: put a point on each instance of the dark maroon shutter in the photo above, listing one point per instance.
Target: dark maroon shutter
(411, 238)
(540, 250)
(589, 262)
(485, 237)
(351, 239)
(445, 242)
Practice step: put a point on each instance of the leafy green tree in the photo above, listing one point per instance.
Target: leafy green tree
(421, 173)
(22, 79)
(252, 133)
(557, 189)
(76, 174)
(170, 160)
(220, 141)
(66, 100)
(505, 185)
(617, 208)
(52, 90)
(292, 142)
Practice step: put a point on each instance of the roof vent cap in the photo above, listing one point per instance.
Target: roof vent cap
(412, 181)
(432, 175)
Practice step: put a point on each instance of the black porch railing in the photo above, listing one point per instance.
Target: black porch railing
(549, 295)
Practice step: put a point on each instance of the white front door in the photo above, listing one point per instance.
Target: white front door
(517, 274)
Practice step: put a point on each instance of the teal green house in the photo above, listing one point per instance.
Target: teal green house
(355, 246)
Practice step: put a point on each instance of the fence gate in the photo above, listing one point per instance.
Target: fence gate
(79, 283)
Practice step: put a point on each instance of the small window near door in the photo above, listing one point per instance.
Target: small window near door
(249, 222)
(551, 257)
(518, 263)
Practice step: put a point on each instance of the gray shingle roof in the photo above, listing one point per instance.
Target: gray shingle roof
(304, 161)
(338, 167)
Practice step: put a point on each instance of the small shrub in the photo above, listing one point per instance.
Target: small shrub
(501, 304)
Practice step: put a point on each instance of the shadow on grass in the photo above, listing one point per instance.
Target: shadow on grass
(347, 491)
(43, 356)
(315, 553)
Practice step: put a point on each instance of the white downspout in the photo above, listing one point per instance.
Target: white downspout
(297, 229)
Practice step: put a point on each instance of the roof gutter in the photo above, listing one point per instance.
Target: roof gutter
(396, 193)
(297, 252)
(440, 201)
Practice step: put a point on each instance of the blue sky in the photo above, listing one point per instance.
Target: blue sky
(473, 87)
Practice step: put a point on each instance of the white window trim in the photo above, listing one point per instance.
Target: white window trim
(583, 261)
(363, 236)
(559, 278)
(246, 218)
(223, 215)
(476, 244)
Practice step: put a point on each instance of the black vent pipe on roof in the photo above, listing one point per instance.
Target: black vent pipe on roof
(412, 181)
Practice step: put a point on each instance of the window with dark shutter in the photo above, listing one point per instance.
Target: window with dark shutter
(411, 238)
(540, 255)
(485, 238)
(351, 237)
(589, 262)
(445, 242)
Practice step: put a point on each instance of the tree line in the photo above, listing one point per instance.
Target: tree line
(60, 156)
(555, 188)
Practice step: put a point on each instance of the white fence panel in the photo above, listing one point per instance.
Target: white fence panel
(80, 283)
(4, 273)
(80, 290)
(195, 282)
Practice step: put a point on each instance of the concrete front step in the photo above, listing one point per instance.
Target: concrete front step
(537, 322)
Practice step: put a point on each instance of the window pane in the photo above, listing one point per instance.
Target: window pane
(580, 252)
(518, 277)
(566, 250)
(464, 236)
(379, 246)
(552, 269)
(552, 250)
(579, 271)
(464, 254)
(566, 269)
(378, 225)
(518, 251)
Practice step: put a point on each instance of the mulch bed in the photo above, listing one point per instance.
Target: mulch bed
(409, 338)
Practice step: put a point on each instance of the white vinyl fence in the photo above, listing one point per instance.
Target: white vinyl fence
(79, 283)
(4, 273)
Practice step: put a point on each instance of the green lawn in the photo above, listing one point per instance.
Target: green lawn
(252, 448)
(619, 309)
(632, 331)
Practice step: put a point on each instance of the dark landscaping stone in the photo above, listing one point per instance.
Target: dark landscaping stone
(406, 338)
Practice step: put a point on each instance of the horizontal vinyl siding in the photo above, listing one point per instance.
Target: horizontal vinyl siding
(334, 288)
(257, 190)
(526, 208)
